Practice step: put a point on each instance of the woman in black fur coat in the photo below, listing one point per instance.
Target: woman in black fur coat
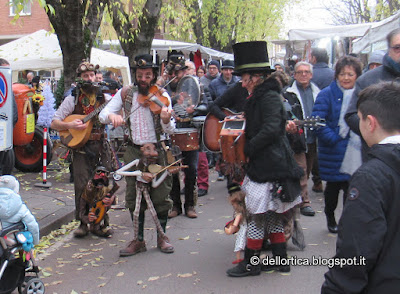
(270, 160)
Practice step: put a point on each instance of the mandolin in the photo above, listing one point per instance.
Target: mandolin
(99, 208)
(77, 138)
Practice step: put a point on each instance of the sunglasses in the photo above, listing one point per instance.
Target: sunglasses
(99, 172)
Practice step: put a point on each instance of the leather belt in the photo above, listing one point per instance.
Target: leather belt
(95, 136)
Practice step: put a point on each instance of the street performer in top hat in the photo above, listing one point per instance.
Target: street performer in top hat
(144, 127)
(84, 99)
(270, 163)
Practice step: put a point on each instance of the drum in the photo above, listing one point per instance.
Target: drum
(232, 140)
(198, 121)
(187, 139)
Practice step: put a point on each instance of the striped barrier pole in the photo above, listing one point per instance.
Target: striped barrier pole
(44, 184)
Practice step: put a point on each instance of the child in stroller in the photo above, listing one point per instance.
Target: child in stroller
(19, 232)
(17, 263)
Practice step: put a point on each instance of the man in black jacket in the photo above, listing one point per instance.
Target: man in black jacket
(369, 237)
(389, 71)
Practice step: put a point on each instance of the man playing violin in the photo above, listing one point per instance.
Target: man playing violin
(84, 99)
(144, 127)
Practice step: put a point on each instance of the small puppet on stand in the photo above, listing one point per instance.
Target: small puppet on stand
(96, 200)
(238, 224)
(148, 175)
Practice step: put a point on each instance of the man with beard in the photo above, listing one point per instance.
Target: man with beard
(84, 99)
(144, 127)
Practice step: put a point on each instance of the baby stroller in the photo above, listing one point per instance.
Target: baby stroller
(17, 264)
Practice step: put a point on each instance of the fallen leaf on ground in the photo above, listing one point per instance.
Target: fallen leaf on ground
(219, 231)
(139, 282)
(153, 278)
(120, 274)
(101, 285)
(184, 238)
(184, 275)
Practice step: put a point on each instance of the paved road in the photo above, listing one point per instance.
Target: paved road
(202, 255)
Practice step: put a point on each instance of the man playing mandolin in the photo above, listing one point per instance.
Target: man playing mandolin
(145, 127)
(93, 149)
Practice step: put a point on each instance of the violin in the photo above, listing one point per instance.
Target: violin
(155, 100)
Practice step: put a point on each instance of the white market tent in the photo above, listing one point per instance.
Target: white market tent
(343, 31)
(41, 51)
(163, 46)
(377, 33)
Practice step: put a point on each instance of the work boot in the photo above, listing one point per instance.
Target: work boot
(82, 231)
(278, 249)
(175, 211)
(190, 212)
(245, 267)
(164, 245)
(134, 247)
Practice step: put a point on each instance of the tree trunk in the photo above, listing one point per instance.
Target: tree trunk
(75, 38)
(133, 40)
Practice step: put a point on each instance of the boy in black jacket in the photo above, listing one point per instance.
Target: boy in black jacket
(369, 237)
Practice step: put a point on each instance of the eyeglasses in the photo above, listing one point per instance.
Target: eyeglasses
(212, 68)
(303, 72)
(396, 48)
(250, 79)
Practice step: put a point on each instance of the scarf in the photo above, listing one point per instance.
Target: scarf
(343, 127)
(391, 63)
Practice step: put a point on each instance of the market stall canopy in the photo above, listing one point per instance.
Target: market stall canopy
(163, 46)
(41, 51)
(343, 31)
(377, 33)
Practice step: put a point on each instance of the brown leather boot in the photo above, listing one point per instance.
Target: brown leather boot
(164, 245)
(175, 211)
(134, 247)
(190, 212)
(82, 231)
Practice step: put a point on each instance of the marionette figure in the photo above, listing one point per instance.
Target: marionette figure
(96, 200)
(148, 175)
(238, 224)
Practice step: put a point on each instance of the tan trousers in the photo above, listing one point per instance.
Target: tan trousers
(302, 162)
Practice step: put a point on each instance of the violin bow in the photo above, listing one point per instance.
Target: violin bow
(166, 167)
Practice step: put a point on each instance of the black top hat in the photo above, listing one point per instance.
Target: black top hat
(144, 61)
(228, 64)
(251, 56)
